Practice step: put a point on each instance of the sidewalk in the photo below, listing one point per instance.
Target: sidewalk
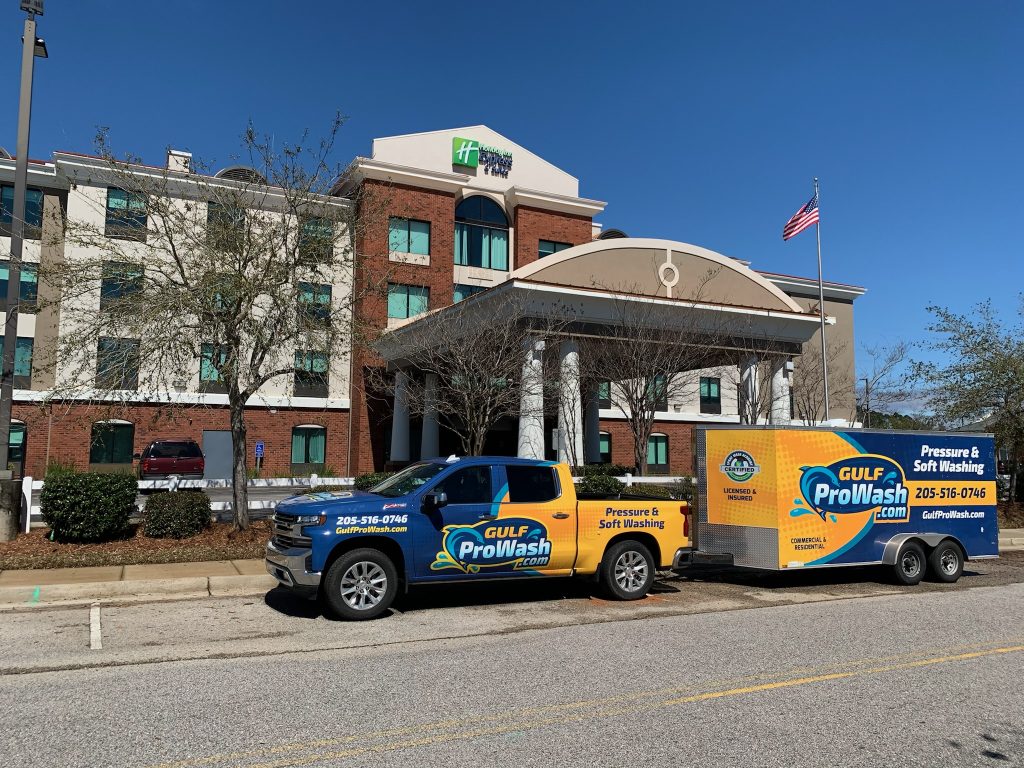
(53, 586)
(1011, 539)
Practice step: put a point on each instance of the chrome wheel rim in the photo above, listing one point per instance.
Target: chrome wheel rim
(364, 585)
(910, 563)
(631, 571)
(949, 562)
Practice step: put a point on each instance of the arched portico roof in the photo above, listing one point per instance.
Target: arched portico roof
(658, 268)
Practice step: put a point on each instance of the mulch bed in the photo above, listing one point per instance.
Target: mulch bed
(1011, 515)
(219, 542)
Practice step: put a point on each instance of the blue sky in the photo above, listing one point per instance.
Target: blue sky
(702, 122)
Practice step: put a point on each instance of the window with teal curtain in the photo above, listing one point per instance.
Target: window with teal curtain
(465, 291)
(23, 362)
(309, 445)
(657, 392)
(406, 301)
(311, 373)
(604, 394)
(657, 453)
(710, 395)
(126, 214)
(208, 365)
(29, 283)
(33, 210)
(316, 239)
(481, 234)
(408, 236)
(548, 247)
(120, 281)
(16, 444)
(606, 448)
(111, 443)
(315, 301)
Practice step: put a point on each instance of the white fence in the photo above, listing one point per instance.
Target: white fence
(30, 513)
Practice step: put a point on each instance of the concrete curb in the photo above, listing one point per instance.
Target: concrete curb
(231, 586)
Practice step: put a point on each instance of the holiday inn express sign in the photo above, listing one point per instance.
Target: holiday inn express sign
(471, 154)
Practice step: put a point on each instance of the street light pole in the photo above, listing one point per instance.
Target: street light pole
(867, 402)
(30, 48)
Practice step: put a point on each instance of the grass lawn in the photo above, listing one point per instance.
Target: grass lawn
(219, 542)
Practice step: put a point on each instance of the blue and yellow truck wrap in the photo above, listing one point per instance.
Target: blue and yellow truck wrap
(785, 497)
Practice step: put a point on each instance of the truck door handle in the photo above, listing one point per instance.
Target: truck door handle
(560, 515)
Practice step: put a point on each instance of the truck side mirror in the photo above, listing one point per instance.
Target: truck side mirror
(435, 500)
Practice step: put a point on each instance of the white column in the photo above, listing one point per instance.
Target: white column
(592, 425)
(531, 401)
(748, 389)
(400, 419)
(570, 404)
(430, 441)
(780, 391)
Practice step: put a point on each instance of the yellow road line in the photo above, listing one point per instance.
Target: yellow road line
(735, 687)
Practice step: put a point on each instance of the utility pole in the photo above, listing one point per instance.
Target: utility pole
(31, 46)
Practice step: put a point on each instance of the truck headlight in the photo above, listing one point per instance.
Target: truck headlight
(311, 519)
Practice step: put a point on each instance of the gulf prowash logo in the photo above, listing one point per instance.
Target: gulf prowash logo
(513, 543)
(853, 485)
(739, 466)
(465, 152)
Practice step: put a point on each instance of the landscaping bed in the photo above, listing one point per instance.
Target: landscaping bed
(218, 542)
(1011, 515)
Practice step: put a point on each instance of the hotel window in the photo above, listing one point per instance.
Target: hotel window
(657, 392)
(29, 286)
(407, 300)
(212, 359)
(33, 212)
(311, 374)
(117, 363)
(604, 394)
(606, 448)
(225, 227)
(120, 280)
(465, 291)
(315, 302)
(126, 215)
(23, 362)
(111, 442)
(710, 395)
(408, 236)
(547, 247)
(481, 234)
(309, 444)
(657, 454)
(316, 240)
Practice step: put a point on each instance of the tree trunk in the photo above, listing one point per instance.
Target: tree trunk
(239, 475)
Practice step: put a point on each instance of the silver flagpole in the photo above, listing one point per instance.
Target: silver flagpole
(821, 303)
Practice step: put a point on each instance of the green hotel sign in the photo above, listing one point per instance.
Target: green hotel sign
(471, 154)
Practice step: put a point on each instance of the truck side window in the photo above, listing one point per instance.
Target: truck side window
(531, 484)
(471, 485)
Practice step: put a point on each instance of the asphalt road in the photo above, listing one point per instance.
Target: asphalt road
(718, 672)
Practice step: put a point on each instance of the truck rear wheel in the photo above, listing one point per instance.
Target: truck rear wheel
(627, 571)
(360, 584)
(946, 562)
(910, 564)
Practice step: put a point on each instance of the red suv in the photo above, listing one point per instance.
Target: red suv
(163, 458)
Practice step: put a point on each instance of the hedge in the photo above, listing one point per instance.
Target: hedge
(599, 487)
(88, 506)
(176, 515)
(605, 470)
(370, 479)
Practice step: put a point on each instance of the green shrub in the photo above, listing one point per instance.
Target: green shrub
(176, 515)
(606, 470)
(684, 490)
(647, 491)
(88, 506)
(328, 488)
(58, 467)
(599, 487)
(370, 479)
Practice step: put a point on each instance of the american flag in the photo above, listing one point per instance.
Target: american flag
(802, 219)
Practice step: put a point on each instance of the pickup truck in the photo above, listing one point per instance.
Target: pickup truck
(467, 519)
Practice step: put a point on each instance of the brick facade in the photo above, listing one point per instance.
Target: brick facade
(62, 432)
(680, 444)
(534, 224)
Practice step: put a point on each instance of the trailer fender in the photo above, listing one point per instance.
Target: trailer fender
(930, 540)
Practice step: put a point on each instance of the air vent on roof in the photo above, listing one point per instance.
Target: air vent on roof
(241, 173)
(611, 234)
(4, 154)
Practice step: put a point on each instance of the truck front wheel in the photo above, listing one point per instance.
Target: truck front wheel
(627, 571)
(360, 584)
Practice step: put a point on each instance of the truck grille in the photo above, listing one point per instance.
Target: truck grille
(287, 541)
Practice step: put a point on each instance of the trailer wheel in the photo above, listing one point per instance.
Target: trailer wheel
(946, 562)
(910, 564)
(360, 584)
(627, 571)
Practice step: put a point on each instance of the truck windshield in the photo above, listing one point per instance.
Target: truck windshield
(408, 480)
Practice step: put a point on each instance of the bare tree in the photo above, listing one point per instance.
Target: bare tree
(474, 355)
(884, 383)
(248, 279)
(808, 383)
